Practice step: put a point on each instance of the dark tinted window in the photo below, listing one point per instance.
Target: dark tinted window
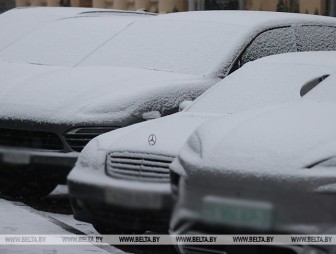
(313, 38)
(271, 42)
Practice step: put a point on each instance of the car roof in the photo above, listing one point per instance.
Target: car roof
(99, 12)
(63, 12)
(249, 18)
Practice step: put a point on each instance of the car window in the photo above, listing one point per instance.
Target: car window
(271, 42)
(259, 85)
(313, 38)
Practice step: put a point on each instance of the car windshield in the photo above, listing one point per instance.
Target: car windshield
(65, 42)
(190, 47)
(259, 85)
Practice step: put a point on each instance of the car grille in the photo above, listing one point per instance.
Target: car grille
(30, 139)
(138, 166)
(78, 138)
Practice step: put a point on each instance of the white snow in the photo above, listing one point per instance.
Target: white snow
(95, 94)
(87, 93)
(66, 42)
(265, 82)
(16, 23)
(191, 47)
(276, 140)
(211, 40)
(268, 81)
(17, 218)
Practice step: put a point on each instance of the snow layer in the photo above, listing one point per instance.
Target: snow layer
(18, 219)
(16, 23)
(220, 36)
(284, 139)
(97, 95)
(268, 81)
(279, 81)
(66, 42)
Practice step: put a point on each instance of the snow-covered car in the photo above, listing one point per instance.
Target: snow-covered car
(18, 22)
(41, 87)
(267, 171)
(142, 72)
(121, 179)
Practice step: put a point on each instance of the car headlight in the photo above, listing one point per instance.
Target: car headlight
(91, 157)
(194, 144)
(78, 138)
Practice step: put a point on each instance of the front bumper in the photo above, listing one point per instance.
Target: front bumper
(99, 199)
(15, 163)
(193, 224)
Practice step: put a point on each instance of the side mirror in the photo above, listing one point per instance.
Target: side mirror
(184, 105)
(151, 115)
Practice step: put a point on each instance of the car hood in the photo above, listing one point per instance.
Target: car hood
(287, 138)
(70, 95)
(170, 133)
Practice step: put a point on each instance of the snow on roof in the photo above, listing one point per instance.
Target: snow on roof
(114, 12)
(248, 18)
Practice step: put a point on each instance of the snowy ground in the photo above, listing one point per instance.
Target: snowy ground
(53, 216)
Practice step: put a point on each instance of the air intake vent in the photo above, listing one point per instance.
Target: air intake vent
(138, 166)
(30, 139)
(78, 138)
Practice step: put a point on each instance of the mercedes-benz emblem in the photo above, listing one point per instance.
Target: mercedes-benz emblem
(152, 139)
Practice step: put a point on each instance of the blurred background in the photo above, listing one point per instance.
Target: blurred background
(317, 7)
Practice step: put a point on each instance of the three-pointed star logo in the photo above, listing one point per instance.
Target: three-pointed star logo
(152, 139)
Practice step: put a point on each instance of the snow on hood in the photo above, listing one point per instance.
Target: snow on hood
(19, 72)
(77, 94)
(171, 133)
(288, 137)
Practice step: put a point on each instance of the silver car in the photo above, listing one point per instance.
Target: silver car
(121, 180)
(42, 89)
(266, 171)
